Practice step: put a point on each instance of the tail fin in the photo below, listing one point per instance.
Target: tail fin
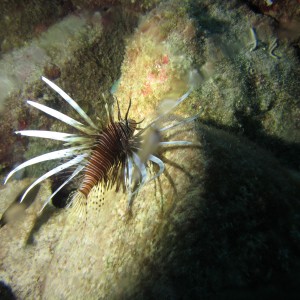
(78, 207)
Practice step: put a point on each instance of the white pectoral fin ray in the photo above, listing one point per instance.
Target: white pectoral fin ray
(77, 171)
(58, 136)
(183, 97)
(66, 165)
(60, 116)
(187, 120)
(177, 102)
(128, 174)
(128, 180)
(172, 107)
(70, 101)
(44, 157)
(141, 168)
(160, 164)
(175, 143)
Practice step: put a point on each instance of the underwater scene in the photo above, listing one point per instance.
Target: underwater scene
(150, 149)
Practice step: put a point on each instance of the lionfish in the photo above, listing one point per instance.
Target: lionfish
(115, 154)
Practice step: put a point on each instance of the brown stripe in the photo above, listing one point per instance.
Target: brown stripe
(108, 156)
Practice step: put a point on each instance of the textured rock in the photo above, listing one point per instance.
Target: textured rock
(136, 5)
(252, 78)
(66, 44)
(27, 242)
(223, 220)
(286, 12)
(20, 22)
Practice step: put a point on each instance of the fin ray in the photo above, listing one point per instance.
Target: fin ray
(44, 157)
(72, 102)
(57, 169)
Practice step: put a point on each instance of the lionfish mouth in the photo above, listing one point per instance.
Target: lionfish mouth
(114, 155)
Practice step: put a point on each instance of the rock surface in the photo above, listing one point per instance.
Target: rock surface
(222, 222)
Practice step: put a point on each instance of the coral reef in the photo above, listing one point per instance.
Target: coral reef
(223, 220)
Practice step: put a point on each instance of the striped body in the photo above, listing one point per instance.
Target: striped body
(118, 156)
(108, 155)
